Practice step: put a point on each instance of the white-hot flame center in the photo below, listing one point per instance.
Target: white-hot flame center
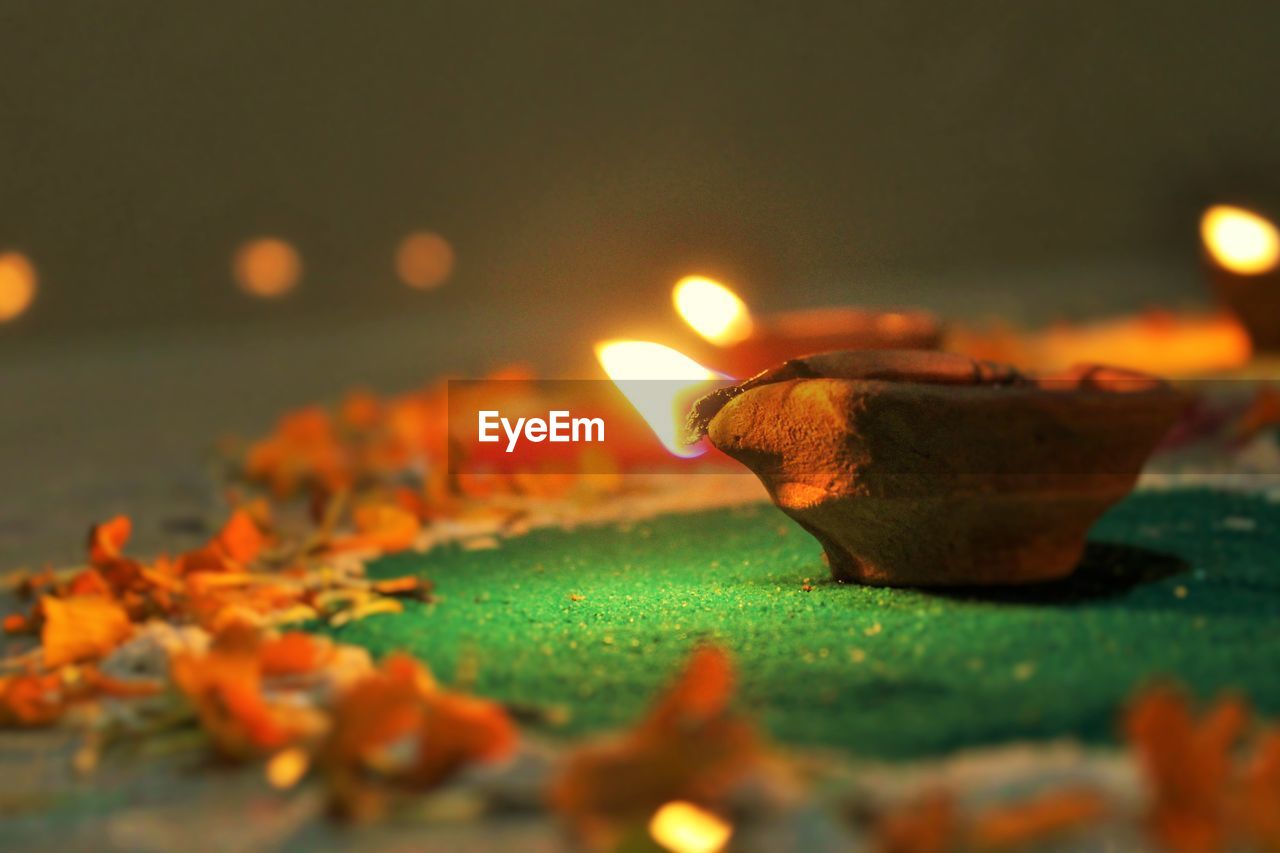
(660, 383)
(1240, 240)
(713, 311)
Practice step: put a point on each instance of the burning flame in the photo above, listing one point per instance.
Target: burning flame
(1240, 240)
(714, 311)
(682, 827)
(634, 365)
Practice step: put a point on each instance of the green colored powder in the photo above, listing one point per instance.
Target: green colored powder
(1185, 584)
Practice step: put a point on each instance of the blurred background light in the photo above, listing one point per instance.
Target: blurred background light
(1240, 240)
(683, 827)
(267, 267)
(17, 285)
(424, 260)
(714, 311)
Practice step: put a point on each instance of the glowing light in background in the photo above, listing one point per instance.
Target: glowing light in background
(1240, 240)
(424, 260)
(267, 267)
(682, 827)
(286, 768)
(634, 365)
(713, 310)
(17, 285)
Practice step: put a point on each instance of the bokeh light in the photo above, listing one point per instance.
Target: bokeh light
(287, 767)
(424, 260)
(1240, 240)
(267, 267)
(17, 285)
(683, 827)
(713, 311)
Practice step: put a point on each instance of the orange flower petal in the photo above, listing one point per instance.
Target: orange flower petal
(401, 700)
(458, 730)
(240, 539)
(704, 689)
(690, 747)
(89, 582)
(107, 540)
(382, 527)
(1020, 824)
(294, 653)
(83, 627)
(361, 410)
(30, 700)
(928, 824)
(225, 687)
(1188, 764)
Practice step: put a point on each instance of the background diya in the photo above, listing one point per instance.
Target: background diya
(743, 345)
(1159, 340)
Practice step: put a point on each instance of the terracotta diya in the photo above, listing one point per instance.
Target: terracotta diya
(747, 344)
(777, 337)
(1242, 251)
(917, 468)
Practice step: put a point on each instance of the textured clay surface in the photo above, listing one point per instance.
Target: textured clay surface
(781, 336)
(927, 468)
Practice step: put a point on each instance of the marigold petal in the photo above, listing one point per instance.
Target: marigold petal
(107, 540)
(294, 653)
(83, 627)
(30, 700)
(240, 539)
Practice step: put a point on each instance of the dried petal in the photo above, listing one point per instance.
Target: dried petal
(225, 687)
(381, 527)
(1025, 822)
(1188, 764)
(1261, 799)
(400, 705)
(928, 824)
(690, 747)
(89, 582)
(240, 539)
(107, 540)
(82, 627)
(294, 653)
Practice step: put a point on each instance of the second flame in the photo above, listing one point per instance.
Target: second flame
(713, 311)
(1240, 240)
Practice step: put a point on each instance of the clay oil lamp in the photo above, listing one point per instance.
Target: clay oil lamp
(1242, 251)
(917, 468)
(743, 345)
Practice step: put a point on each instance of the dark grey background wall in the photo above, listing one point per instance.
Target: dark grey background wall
(581, 155)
